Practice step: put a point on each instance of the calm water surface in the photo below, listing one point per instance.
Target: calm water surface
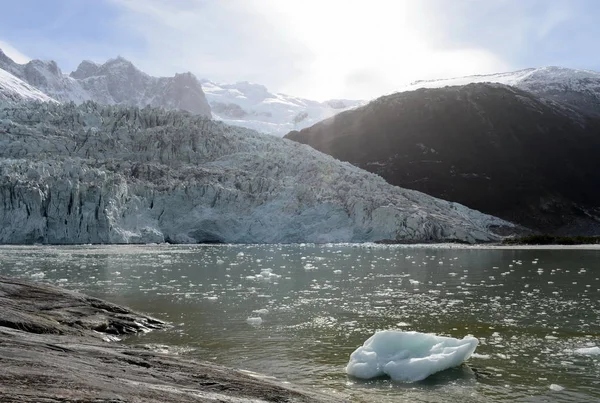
(530, 308)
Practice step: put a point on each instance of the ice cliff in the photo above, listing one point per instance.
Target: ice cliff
(115, 174)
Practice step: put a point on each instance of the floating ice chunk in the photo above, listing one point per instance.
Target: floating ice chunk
(556, 388)
(262, 311)
(337, 271)
(267, 275)
(587, 351)
(408, 356)
(254, 321)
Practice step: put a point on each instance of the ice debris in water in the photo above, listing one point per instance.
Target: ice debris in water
(587, 351)
(262, 311)
(408, 356)
(556, 388)
(254, 321)
(267, 275)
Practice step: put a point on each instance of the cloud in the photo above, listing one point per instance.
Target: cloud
(313, 48)
(308, 48)
(13, 53)
(220, 40)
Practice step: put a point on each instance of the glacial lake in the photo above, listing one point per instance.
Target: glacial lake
(531, 308)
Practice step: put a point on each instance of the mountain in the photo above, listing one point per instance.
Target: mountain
(115, 174)
(253, 106)
(16, 90)
(491, 147)
(578, 88)
(119, 82)
(116, 82)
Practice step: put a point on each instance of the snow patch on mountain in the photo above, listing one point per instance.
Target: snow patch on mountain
(14, 89)
(577, 88)
(253, 106)
(114, 174)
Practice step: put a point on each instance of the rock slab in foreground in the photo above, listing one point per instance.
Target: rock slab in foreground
(53, 349)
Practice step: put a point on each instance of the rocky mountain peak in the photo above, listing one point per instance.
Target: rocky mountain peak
(86, 69)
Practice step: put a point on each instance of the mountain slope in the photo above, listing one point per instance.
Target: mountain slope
(14, 89)
(92, 174)
(491, 147)
(117, 81)
(253, 106)
(577, 88)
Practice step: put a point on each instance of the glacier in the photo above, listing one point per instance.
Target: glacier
(114, 174)
(408, 356)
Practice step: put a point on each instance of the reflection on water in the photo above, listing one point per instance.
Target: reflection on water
(530, 309)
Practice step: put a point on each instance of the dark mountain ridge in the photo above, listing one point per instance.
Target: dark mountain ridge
(492, 147)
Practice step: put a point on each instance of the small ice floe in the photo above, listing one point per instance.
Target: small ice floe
(556, 388)
(587, 351)
(408, 356)
(262, 311)
(254, 321)
(37, 275)
(267, 275)
(337, 271)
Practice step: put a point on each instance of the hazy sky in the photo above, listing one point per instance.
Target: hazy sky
(312, 48)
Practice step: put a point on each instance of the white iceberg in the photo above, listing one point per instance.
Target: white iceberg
(254, 321)
(408, 356)
(587, 351)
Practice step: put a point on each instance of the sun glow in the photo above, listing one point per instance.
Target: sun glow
(363, 47)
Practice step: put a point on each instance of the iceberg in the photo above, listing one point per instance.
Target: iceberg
(408, 356)
(587, 351)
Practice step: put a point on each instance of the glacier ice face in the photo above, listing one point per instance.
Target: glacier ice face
(408, 356)
(117, 81)
(113, 174)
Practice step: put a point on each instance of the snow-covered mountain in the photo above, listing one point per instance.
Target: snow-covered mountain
(117, 81)
(253, 106)
(114, 174)
(16, 90)
(577, 88)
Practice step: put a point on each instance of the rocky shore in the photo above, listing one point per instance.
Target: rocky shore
(61, 346)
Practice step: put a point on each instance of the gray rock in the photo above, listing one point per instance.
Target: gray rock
(54, 348)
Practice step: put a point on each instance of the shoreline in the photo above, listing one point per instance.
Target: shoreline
(57, 345)
(440, 245)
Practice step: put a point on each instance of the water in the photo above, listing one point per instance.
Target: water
(530, 308)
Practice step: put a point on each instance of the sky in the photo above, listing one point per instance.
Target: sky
(317, 49)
